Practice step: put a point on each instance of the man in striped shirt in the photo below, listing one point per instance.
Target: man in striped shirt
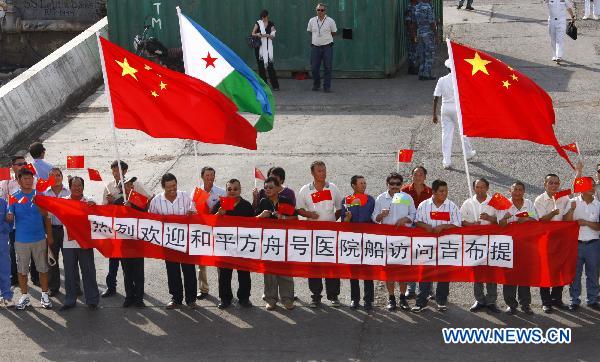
(174, 202)
(438, 203)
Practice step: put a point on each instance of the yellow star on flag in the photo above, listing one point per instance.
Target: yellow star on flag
(514, 77)
(506, 84)
(147, 67)
(154, 94)
(478, 64)
(127, 69)
(162, 85)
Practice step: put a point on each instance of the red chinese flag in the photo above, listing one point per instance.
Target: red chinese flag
(31, 168)
(138, 199)
(228, 203)
(563, 193)
(75, 162)
(522, 214)
(583, 184)
(497, 101)
(94, 175)
(356, 200)
(43, 185)
(405, 155)
(321, 196)
(258, 174)
(12, 200)
(200, 197)
(440, 215)
(286, 209)
(500, 202)
(4, 173)
(571, 147)
(168, 104)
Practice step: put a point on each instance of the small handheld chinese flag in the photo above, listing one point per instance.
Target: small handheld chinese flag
(440, 215)
(258, 174)
(200, 197)
(563, 193)
(138, 199)
(75, 162)
(583, 184)
(356, 200)
(571, 147)
(286, 209)
(228, 203)
(31, 168)
(43, 185)
(94, 175)
(500, 202)
(321, 196)
(405, 155)
(525, 214)
(4, 173)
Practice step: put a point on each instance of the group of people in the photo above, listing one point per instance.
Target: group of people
(29, 235)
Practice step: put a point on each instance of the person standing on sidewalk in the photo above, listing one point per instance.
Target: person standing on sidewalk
(6, 293)
(411, 29)
(426, 33)
(469, 4)
(265, 31)
(557, 25)
(591, 8)
(323, 29)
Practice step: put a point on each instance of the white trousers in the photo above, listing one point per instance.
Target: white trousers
(557, 29)
(591, 8)
(449, 123)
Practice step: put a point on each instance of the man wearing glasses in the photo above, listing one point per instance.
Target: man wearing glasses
(323, 29)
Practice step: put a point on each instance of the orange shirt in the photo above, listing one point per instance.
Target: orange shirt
(425, 194)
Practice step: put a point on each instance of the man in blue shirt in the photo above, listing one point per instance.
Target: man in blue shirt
(358, 208)
(6, 293)
(33, 235)
(38, 152)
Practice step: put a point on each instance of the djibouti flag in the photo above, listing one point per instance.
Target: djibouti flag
(208, 59)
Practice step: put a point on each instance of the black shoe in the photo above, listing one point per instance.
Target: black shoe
(354, 304)
(547, 309)
(391, 303)
(470, 8)
(493, 308)
(128, 303)
(410, 295)
(315, 88)
(66, 307)
(201, 296)
(418, 309)
(403, 303)
(92, 306)
(573, 307)
(172, 305)
(560, 305)
(140, 304)
(477, 307)
(368, 306)
(527, 309)
(245, 303)
(459, 6)
(511, 310)
(108, 293)
(223, 305)
(595, 306)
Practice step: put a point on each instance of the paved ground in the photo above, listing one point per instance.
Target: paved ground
(355, 130)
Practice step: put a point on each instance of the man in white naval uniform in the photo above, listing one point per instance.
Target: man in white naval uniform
(557, 25)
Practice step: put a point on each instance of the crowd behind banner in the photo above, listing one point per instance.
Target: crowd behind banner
(30, 236)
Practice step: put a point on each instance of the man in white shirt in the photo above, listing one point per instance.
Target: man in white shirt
(322, 29)
(522, 210)
(557, 25)
(174, 202)
(476, 211)
(395, 207)
(320, 201)
(208, 175)
(438, 203)
(549, 209)
(585, 209)
(445, 89)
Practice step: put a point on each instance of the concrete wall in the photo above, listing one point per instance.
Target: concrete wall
(49, 87)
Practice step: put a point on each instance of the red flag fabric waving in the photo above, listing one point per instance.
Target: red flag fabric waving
(4, 173)
(258, 174)
(138, 199)
(563, 193)
(43, 185)
(500, 202)
(168, 104)
(497, 101)
(12, 200)
(200, 197)
(583, 184)
(94, 175)
(285, 209)
(405, 155)
(440, 215)
(31, 168)
(357, 199)
(321, 196)
(571, 147)
(75, 162)
(228, 203)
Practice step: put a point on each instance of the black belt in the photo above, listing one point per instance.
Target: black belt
(587, 241)
(57, 226)
(322, 46)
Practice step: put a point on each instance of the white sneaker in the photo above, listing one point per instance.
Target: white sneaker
(45, 301)
(24, 302)
(554, 59)
(585, 18)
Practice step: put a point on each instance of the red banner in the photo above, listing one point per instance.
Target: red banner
(532, 253)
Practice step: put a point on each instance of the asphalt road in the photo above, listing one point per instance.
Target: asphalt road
(357, 129)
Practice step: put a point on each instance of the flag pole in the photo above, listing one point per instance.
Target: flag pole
(459, 119)
(398, 162)
(197, 162)
(112, 115)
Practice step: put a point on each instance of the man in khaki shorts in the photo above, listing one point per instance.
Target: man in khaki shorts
(31, 226)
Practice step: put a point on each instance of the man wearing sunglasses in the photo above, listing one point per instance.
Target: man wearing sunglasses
(322, 29)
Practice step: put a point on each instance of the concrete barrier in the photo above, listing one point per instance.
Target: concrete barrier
(44, 91)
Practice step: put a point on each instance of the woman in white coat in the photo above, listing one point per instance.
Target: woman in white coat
(265, 31)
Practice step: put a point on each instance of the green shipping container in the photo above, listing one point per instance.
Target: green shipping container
(377, 48)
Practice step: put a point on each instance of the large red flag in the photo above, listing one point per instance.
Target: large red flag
(168, 104)
(496, 101)
(4, 173)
